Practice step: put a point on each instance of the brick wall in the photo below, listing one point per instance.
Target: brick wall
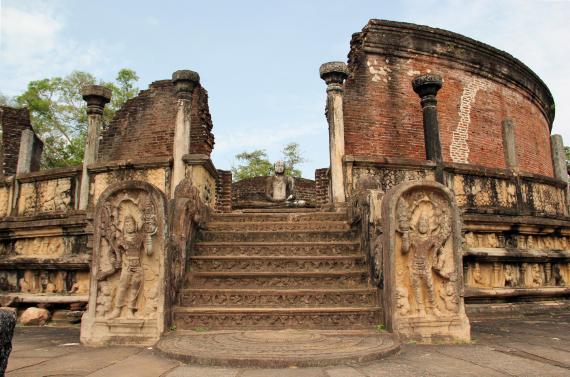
(482, 86)
(224, 191)
(13, 121)
(144, 126)
(321, 186)
(254, 189)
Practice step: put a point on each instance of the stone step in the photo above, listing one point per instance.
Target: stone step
(281, 280)
(278, 226)
(326, 248)
(278, 217)
(285, 348)
(205, 318)
(273, 236)
(278, 298)
(276, 264)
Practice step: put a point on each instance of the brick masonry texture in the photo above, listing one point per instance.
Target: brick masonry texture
(254, 189)
(13, 121)
(383, 116)
(144, 126)
(224, 191)
(321, 186)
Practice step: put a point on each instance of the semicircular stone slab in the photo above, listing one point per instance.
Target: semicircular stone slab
(278, 349)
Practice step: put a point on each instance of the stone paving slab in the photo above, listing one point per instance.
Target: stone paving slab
(526, 347)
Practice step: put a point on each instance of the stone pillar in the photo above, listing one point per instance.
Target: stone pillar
(96, 97)
(26, 152)
(185, 81)
(334, 74)
(559, 158)
(509, 145)
(427, 86)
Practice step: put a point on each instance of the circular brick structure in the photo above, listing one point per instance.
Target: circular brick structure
(482, 86)
(278, 349)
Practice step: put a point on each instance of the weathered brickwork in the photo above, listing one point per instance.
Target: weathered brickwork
(482, 86)
(254, 189)
(13, 121)
(144, 127)
(224, 191)
(321, 186)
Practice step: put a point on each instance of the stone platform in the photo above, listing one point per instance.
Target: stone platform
(278, 349)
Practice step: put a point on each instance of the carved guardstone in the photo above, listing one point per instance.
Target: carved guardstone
(127, 293)
(423, 270)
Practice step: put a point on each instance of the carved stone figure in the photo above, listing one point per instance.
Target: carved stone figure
(104, 299)
(423, 242)
(447, 294)
(127, 285)
(537, 280)
(25, 286)
(45, 283)
(477, 277)
(557, 276)
(128, 247)
(510, 273)
(402, 301)
(423, 263)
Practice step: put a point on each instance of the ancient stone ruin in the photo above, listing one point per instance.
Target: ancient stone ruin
(446, 198)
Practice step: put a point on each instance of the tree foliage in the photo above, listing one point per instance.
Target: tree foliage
(57, 111)
(256, 163)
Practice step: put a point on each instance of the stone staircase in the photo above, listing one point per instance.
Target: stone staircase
(270, 269)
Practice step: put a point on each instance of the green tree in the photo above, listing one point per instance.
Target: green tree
(58, 114)
(256, 163)
(252, 164)
(292, 157)
(567, 150)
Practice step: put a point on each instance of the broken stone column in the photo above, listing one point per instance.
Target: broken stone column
(97, 97)
(26, 152)
(427, 86)
(334, 74)
(509, 146)
(185, 81)
(559, 163)
(559, 158)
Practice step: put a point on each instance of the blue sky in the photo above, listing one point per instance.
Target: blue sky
(259, 60)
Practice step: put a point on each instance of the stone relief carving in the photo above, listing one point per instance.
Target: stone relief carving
(517, 275)
(423, 270)
(46, 196)
(424, 225)
(126, 295)
(127, 240)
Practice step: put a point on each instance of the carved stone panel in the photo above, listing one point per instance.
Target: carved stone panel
(126, 301)
(423, 273)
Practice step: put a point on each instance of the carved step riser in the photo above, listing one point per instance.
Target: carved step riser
(187, 321)
(337, 282)
(292, 300)
(277, 250)
(286, 217)
(276, 236)
(278, 227)
(276, 265)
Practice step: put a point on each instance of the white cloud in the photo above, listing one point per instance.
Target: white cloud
(34, 45)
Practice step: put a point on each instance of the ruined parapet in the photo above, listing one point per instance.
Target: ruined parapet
(144, 126)
(19, 140)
